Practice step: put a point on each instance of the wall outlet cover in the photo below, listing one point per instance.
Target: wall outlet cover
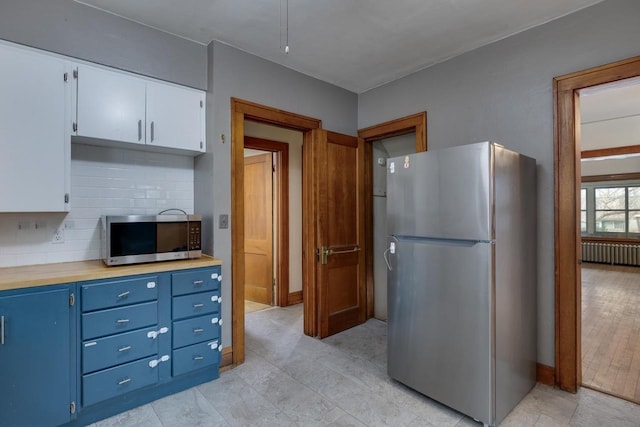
(58, 236)
(223, 221)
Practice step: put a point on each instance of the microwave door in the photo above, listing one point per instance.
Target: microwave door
(172, 237)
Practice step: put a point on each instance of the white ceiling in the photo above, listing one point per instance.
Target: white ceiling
(354, 44)
(610, 115)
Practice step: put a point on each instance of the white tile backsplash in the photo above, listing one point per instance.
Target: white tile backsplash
(104, 181)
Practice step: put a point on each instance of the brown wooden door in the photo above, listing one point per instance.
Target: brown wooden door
(258, 228)
(340, 231)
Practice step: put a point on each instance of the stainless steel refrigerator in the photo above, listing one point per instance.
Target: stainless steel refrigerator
(462, 276)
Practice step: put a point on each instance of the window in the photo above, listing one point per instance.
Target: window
(634, 210)
(583, 210)
(610, 210)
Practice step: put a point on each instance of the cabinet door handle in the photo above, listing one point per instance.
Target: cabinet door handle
(198, 305)
(124, 381)
(122, 321)
(152, 132)
(198, 282)
(2, 330)
(139, 130)
(124, 294)
(198, 358)
(125, 348)
(198, 330)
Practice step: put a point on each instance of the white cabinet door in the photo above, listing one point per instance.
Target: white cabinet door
(110, 105)
(35, 131)
(175, 117)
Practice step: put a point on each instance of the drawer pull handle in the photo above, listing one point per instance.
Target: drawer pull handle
(198, 282)
(214, 276)
(215, 320)
(122, 321)
(214, 345)
(125, 348)
(151, 285)
(198, 330)
(198, 358)
(124, 381)
(154, 334)
(2, 330)
(198, 305)
(124, 294)
(216, 298)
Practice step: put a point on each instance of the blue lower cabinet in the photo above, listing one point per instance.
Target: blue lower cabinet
(145, 337)
(197, 356)
(121, 379)
(191, 331)
(115, 320)
(195, 304)
(116, 349)
(116, 293)
(36, 362)
(199, 280)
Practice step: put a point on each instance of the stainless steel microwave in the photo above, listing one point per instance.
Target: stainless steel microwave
(131, 239)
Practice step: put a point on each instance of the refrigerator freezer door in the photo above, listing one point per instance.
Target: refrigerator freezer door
(440, 316)
(441, 193)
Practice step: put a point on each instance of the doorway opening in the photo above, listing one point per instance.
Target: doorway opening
(568, 245)
(393, 138)
(273, 216)
(610, 238)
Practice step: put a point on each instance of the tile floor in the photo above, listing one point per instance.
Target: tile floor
(289, 379)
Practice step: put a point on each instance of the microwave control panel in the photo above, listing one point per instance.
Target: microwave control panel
(195, 235)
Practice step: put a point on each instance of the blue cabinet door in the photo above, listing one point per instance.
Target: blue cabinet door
(35, 365)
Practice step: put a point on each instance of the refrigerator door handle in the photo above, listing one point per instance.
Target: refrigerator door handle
(384, 255)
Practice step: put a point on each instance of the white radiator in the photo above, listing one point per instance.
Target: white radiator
(611, 253)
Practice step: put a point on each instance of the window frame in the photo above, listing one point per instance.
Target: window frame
(591, 211)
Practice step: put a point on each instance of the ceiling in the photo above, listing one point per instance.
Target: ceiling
(354, 44)
(610, 115)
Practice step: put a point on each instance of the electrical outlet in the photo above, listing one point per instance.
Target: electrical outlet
(58, 236)
(223, 221)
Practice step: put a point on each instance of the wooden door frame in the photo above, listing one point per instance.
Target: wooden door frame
(281, 166)
(242, 110)
(566, 126)
(414, 123)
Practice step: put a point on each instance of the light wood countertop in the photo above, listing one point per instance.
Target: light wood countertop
(68, 272)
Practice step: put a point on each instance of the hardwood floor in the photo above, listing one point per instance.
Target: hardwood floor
(611, 329)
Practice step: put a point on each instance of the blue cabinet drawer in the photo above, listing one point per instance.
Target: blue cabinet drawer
(191, 331)
(120, 319)
(115, 293)
(112, 382)
(196, 356)
(117, 349)
(196, 304)
(206, 279)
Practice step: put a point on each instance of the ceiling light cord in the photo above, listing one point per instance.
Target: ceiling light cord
(286, 47)
(286, 23)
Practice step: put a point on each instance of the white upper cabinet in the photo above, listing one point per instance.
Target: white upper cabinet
(35, 131)
(110, 105)
(175, 117)
(114, 106)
